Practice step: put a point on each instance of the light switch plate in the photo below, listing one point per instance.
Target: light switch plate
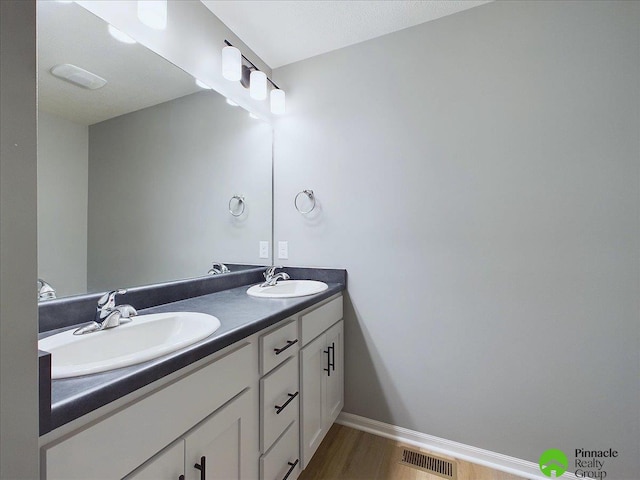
(283, 250)
(264, 249)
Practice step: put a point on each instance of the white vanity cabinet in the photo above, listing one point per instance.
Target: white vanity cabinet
(321, 374)
(256, 409)
(116, 444)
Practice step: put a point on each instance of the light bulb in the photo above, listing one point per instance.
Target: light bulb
(258, 85)
(231, 102)
(277, 98)
(153, 13)
(120, 36)
(231, 63)
(254, 116)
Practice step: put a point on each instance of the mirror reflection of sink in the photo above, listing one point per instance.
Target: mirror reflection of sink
(146, 337)
(288, 289)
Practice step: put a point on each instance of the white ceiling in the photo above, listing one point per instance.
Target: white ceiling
(137, 77)
(286, 31)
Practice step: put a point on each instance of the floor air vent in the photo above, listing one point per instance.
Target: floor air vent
(428, 463)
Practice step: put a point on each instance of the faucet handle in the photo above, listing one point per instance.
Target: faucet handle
(271, 271)
(108, 300)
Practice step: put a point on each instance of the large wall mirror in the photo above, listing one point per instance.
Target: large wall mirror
(146, 179)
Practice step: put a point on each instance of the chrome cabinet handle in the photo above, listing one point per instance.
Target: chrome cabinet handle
(289, 344)
(292, 466)
(289, 400)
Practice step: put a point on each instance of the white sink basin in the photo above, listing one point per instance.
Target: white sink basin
(144, 338)
(288, 289)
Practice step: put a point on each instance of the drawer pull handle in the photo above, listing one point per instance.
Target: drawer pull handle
(292, 466)
(330, 364)
(289, 400)
(333, 356)
(202, 466)
(289, 343)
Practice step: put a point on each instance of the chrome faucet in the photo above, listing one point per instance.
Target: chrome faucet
(217, 268)
(108, 314)
(45, 291)
(271, 278)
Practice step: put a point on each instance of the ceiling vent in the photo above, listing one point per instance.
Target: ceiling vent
(78, 76)
(428, 463)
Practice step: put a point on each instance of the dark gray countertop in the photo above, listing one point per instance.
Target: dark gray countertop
(240, 316)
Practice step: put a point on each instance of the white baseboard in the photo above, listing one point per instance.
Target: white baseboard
(497, 461)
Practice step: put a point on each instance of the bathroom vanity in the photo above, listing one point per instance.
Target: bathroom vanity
(253, 400)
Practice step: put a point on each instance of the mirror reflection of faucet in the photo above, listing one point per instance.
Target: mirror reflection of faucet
(218, 268)
(108, 315)
(45, 291)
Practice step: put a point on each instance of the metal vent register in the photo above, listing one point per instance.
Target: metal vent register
(427, 463)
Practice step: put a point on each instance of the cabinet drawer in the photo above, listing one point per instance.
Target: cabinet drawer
(279, 397)
(320, 319)
(111, 448)
(278, 345)
(282, 461)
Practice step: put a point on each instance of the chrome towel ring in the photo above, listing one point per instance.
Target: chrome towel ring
(310, 196)
(241, 205)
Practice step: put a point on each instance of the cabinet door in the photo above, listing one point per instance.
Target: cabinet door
(219, 449)
(334, 392)
(167, 465)
(313, 362)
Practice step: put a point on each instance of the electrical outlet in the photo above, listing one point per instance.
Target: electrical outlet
(264, 249)
(283, 250)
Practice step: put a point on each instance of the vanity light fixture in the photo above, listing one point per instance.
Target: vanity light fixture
(232, 69)
(120, 36)
(203, 85)
(153, 13)
(231, 63)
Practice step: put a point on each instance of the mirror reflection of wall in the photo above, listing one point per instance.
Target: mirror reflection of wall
(135, 177)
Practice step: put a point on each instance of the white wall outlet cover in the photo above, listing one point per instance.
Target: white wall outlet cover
(264, 249)
(283, 250)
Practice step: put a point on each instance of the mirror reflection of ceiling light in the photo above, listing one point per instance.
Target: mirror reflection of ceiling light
(78, 76)
(232, 67)
(153, 13)
(120, 36)
(201, 84)
(232, 103)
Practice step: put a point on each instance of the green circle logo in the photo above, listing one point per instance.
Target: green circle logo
(553, 463)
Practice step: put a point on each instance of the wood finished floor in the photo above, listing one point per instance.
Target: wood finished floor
(348, 454)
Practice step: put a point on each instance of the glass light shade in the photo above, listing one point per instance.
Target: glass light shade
(231, 63)
(258, 85)
(153, 13)
(277, 98)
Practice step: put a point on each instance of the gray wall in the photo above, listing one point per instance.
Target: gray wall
(63, 165)
(478, 177)
(18, 242)
(160, 181)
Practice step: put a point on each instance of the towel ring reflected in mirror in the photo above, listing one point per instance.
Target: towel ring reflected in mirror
(310, 196)
(240, 201)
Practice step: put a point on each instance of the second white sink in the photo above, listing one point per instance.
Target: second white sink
(144, 338)
(288, 289)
